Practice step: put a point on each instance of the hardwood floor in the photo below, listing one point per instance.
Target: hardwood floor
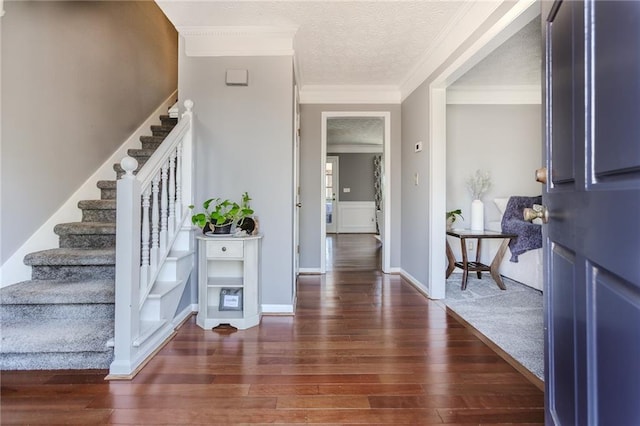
(363, 348)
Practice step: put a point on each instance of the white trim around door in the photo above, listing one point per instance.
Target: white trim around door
(386, 184)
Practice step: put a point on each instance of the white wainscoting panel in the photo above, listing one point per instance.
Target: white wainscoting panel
(356, 216)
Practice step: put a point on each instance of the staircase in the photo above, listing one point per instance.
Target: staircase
(63, 318)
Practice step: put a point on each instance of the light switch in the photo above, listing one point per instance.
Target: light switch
(418, 147)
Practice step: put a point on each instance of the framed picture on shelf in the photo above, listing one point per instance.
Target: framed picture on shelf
(230, 299)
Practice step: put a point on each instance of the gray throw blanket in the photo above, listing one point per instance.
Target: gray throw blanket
(529, 234)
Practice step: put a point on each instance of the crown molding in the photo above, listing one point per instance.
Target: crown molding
(238, 40)
(508, 95)
(375, 94)
(467, 20)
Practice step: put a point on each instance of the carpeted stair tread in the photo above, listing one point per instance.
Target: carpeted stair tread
(141, 152)
(56, 335)
(58, 292)
(97, 204)
(71, 256)
(166, 120)
(161, 129)
(152, 139)
(107, 184)
(85, 228)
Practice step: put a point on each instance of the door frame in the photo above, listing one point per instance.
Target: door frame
(509, 24)
(296, 192)
(336, 187)
(386, 183)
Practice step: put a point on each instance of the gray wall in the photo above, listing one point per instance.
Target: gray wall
(77, 79)
(244, 142)
(311, 172)
(355, 172)
(506, 140)
(415, 205)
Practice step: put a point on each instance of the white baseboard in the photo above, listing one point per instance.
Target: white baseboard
(182, 316)
(310, 271)
(395, 270)
(277, 309)
(415, 282)
(14, 270)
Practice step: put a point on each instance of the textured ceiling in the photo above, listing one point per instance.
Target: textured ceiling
(337, 42)
(370, 44)
(355, 131)
(517, 62)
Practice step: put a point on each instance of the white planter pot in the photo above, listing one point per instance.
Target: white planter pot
(477, 215)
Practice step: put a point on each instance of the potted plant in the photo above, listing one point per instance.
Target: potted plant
(452, 215)
(244, 221)
(221, 214)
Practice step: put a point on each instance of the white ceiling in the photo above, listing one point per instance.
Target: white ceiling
(517, 62)
(347, 45)
(355, 131)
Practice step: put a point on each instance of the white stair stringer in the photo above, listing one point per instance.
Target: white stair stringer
(158, 316)
(161, 304)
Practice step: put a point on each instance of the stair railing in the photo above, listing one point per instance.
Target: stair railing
(151, 209)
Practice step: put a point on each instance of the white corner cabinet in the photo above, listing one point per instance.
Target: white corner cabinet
(229, 281)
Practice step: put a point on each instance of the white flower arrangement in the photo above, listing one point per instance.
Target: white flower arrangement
(478, 184)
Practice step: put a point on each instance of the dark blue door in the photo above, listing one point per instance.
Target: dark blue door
(592, 240)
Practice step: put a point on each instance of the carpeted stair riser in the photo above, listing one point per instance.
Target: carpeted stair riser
(99, 215)
(49, 311)
(53, 360)
(73, 272)
(168, 121)
(98, 210)
(107, 189)
(88, 241)
(86, 235)
(162, 130)
(141, 153)
(61, 343)
(108, 194)
(151, 142)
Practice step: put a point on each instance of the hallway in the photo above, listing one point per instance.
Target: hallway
(363, 348)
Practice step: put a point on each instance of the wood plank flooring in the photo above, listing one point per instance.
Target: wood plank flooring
(363, 348)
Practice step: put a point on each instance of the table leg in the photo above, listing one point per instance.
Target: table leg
(495, 264)
(465, 264)
(451, 259)
(478, 256)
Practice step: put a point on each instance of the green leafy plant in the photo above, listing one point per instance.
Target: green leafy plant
(221, 212)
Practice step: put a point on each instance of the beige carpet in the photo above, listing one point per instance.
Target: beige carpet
(512, 318)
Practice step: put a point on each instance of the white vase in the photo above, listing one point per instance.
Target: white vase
(477, 215)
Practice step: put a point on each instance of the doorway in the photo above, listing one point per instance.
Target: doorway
(514, 20)
(381, 216)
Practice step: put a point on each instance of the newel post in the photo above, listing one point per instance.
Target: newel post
(127, 268)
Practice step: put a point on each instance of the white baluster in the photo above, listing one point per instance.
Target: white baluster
(172, 193)
(179, 183)
(155, 224)
(164, 198)
(145, 237)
